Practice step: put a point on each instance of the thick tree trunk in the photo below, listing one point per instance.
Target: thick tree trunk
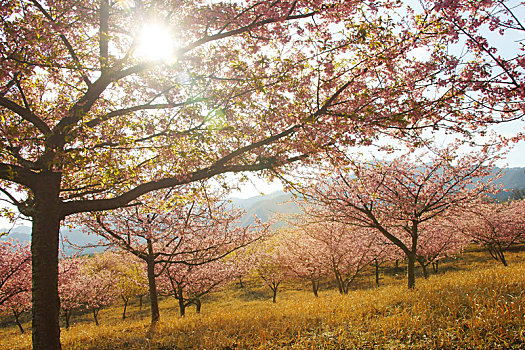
(44, 249)
(154, 301)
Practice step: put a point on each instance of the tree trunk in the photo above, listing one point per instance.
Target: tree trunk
(44, 249)
(140, 302)
(154, 302)
(411, 271)
(17, 320)
(339, 281)
(182, 306)
(422, 262)
(125, 307)
(315, 287)
(67, 316)
(198, 305)
(435, 266)
(274, 290)
(95, 314)
(377, 271)
(500, 255)
(425, 272)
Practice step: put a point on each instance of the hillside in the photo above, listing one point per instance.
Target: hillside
(472, 303)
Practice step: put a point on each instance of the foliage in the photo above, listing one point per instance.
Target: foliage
(400, 197)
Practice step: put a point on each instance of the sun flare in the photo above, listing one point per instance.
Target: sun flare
(155, 42)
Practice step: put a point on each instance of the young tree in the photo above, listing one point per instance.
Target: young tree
(397, 198)
(439, 238)
(189, 283)
(131, 281)
(70, 286)
(19, 303)
(270, 262)
(334, 248)
(304, 258)
(94, 116)
(15, 279)
(98, 275)
(15, 267)
(191, 228)
(495, 226)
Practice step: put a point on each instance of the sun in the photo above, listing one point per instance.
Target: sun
(155, 42)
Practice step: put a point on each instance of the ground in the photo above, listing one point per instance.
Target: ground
(471, 303)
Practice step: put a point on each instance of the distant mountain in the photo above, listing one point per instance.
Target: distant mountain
(513, 178)
(267, 206)
(263, 207)
(69, 240)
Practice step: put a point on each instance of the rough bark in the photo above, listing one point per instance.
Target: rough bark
(154, 302)
(182, 306)
(44, 249)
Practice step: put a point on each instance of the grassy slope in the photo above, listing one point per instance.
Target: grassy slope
(476, 303)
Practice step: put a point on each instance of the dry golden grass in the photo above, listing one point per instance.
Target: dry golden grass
(480, 306)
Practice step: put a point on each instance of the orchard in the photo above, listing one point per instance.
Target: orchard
(125, 117)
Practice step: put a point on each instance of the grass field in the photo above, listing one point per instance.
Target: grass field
(472, 303)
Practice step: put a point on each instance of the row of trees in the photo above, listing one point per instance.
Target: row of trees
(311, 248)
(87, 124)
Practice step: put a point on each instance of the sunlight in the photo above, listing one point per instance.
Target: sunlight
(155, 43)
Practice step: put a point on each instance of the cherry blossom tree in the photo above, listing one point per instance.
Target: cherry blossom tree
(188, 227)
(491, 73)
(93, 116)
(98, 275)
(18, 304)
(304, 258)
(439, 238)
(189, 283)
(270, 263)
(328, 247)
(15, 279)
(70, 286)
(398, 197)
(131, 280)
(495, 226)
